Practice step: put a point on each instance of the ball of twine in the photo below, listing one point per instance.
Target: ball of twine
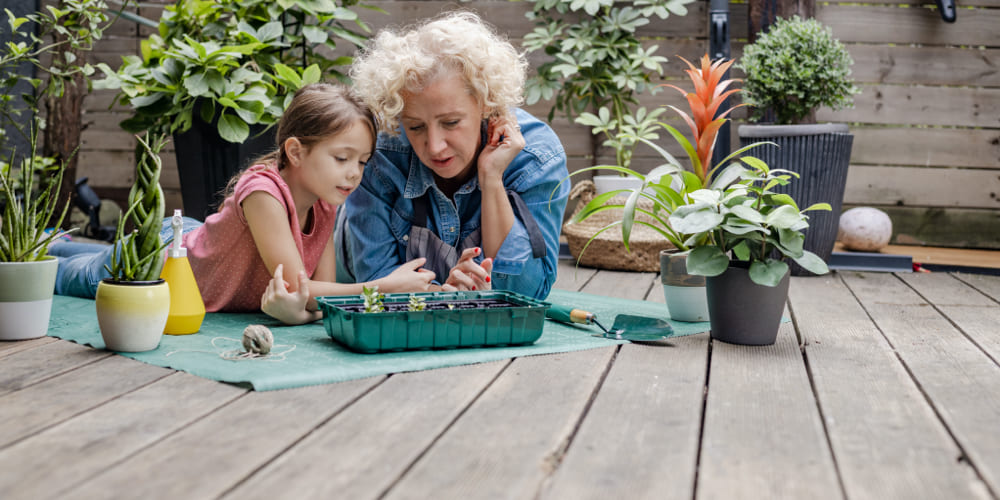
(257, 339)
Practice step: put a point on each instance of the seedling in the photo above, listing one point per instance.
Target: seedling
(417, 303)
(373, 299)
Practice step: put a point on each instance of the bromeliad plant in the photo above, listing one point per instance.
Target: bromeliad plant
(669, 185)
(745, 220)
(139, 255)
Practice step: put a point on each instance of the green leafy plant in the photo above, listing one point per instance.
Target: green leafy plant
(373, 300)
(27, 211)
(794, 68)
(747, 221)
(139, 255)
(417, 303)
(597, 63)
(668, 186)
(239, 61)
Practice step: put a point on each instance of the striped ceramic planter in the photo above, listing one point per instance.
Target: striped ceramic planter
(683, 292)
(26, 298)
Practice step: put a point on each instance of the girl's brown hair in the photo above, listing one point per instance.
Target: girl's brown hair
(317, 112)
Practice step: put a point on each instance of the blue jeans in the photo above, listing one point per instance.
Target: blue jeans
(81, 265)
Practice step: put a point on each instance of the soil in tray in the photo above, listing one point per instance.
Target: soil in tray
(437, 305)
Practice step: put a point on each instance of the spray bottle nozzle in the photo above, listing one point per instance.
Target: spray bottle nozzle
(177, 224)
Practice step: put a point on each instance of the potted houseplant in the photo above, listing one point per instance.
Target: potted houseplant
(793, 69)
(751, 230)
(597, 65)
(27, 272)
(668, 187)
(133, 304)
(217, 75)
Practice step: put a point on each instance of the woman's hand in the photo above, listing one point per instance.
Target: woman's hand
(497, 154)
(467, 275)
(408, 277)
(288, 307)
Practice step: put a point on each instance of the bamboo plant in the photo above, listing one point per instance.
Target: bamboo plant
(139, 256)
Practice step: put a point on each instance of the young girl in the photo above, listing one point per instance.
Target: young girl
(277, 219)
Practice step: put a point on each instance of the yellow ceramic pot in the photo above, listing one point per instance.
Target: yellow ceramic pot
(132, 314)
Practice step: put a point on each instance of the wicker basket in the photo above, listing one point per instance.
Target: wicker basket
(607, 250)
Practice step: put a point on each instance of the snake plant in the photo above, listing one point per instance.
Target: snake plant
(139, 255)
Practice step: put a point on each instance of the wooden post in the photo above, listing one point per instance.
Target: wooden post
(762, 13)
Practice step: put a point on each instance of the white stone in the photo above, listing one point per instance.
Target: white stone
(865, 229)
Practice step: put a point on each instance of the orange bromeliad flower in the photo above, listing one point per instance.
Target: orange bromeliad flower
(710, 92)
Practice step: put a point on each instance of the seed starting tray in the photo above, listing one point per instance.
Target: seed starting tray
(450, 319)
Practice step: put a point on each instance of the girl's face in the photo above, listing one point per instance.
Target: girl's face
(331, 169)
(442, 123)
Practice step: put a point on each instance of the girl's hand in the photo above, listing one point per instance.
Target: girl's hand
(408, 277)
(289, 308)
(497, 154)
(467, 275)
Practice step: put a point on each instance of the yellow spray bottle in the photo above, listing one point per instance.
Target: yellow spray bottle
(186, 307)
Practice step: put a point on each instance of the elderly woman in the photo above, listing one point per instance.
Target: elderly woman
(473, 182)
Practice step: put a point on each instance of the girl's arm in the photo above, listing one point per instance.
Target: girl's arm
(268, 222)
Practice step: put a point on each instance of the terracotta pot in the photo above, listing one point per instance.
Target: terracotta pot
(132, 314)
(26, 298)
(683, 292)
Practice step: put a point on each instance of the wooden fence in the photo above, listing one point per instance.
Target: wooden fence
(926, 125)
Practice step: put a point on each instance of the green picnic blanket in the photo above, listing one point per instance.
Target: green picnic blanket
(306, 355)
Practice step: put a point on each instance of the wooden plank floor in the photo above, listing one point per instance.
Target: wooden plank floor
(882, 386)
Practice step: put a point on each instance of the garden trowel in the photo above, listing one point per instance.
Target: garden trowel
(625, 327)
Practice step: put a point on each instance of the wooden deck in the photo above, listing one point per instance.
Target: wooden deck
(883, 386)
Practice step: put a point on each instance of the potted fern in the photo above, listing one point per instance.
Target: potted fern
(791, 71)
(27, 272)
(133, 304)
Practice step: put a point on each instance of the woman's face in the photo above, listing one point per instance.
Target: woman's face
(442, 123)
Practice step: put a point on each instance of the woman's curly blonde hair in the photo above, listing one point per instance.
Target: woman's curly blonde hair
(406, 61)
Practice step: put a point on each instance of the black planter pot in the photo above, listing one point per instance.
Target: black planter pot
(821, 155)
(741, 311)
(206, 162)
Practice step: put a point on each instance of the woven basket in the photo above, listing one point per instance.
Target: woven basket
(607, 250)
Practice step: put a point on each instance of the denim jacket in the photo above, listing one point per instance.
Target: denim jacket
(379, 213)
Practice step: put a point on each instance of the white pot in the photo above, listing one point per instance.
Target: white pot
(683, 292)
(132, 315)
(26, 298)
(605, 183)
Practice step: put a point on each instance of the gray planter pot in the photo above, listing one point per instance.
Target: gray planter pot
(821, 155)
(743, 312)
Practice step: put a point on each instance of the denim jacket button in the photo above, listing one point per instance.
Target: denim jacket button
(406, 237)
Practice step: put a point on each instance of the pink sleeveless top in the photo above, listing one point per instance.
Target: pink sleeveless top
(230, 273)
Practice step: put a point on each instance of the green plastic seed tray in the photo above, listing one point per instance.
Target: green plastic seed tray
(450, 319)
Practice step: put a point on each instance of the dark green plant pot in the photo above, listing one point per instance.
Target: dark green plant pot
(741, 311)
(821, 155)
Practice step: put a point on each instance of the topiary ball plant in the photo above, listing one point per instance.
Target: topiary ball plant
(794, 68)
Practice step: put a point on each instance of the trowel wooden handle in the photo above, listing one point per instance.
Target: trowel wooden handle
(569, 315)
